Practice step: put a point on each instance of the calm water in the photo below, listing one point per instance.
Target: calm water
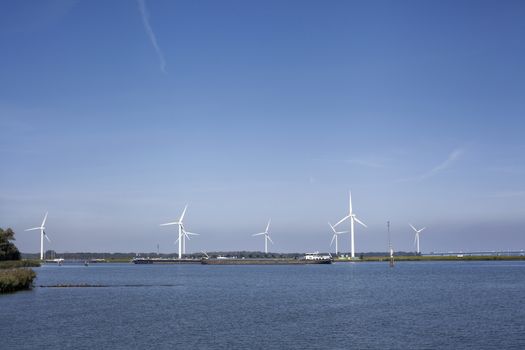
(423, 305)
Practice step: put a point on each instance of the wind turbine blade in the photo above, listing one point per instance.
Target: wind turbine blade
(359, 221)
(188, 237)
(47, 237)
(339, 232)
(268, 226)
(32, 229)
(44, 221)
(343, 219)
(332, 241)
(413, 228)
(350, 201)
(269, 239)
(183, 212)
(258, 234)
(177, 240)
(192, 233)
(333, 229)
(422, 229)
(170, 223)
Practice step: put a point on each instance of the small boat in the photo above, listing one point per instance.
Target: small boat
(317, 258)
(57, 261)
(220, 257)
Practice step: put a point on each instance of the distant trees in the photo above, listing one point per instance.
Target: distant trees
(119, 256)
(8, 251)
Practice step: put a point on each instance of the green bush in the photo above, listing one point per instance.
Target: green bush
(12, 280)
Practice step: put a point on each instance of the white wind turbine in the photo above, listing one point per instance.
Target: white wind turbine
(266, 237)
(353, 219)
(335, 238)
(42, 229)
(416, 238)
(186, 234)
(182, 232)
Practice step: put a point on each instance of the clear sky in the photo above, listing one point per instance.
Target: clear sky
(115, 114)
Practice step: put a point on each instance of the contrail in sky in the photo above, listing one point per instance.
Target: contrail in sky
(151, 34)
(446, 164)
(451, 159)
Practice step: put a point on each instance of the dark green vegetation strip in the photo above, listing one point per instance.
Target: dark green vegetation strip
(11, 264)
(12, 280)
(84, 285)
(126, 257)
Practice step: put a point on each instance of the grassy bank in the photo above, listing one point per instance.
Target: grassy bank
(118, 260)
(15, 275)
(437, 258)
(11, 264)
(12, 280)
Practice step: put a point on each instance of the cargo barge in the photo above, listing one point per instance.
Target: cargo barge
(237, 261)
(165, 261)
(309, 258)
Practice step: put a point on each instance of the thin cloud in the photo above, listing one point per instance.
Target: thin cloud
(508, 169)
(365, 162)
(451, 159)
(508, 194)
(151, 34)
(369, 162)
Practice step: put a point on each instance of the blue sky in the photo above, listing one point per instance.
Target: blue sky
(116, 114)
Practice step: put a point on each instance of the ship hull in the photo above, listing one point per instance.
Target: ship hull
(263, 262)
(142, 261)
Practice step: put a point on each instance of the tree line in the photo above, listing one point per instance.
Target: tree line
(212, 254)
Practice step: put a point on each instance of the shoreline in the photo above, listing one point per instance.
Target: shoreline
(435, 258)
(401, 258)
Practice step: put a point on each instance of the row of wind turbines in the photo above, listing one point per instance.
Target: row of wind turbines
(183, 234)
(353, 219)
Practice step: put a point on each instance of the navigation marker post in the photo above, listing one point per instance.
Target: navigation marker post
(391, 260)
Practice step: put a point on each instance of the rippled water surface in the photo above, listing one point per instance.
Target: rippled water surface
(419, 305)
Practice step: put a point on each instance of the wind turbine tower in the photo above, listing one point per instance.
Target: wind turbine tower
(416, 238)
(335, 238)
(42, 229)
(353, 218)
(390, 245)
(186, 235)
(182, 232)
(266, 237)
